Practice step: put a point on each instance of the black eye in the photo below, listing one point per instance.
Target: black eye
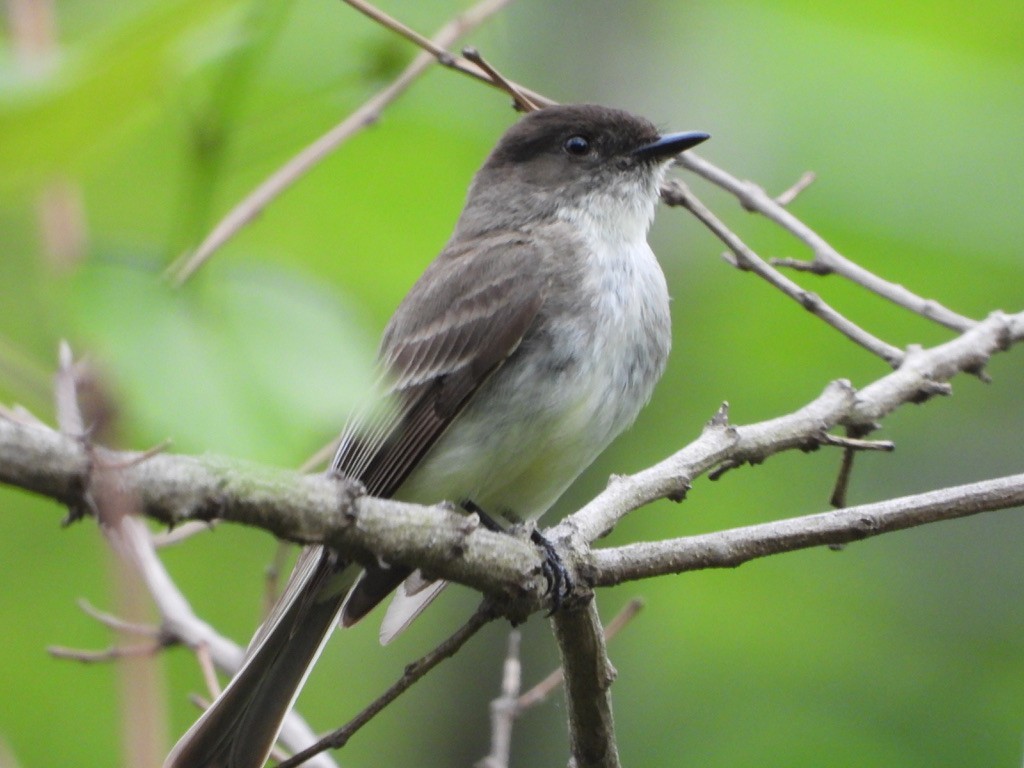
(577, 145)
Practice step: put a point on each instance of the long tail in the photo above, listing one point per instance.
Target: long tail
(240, 727)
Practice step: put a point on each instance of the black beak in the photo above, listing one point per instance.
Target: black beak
(670, 145)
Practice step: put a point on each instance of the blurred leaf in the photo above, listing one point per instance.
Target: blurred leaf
(50, 123)
(254, 361)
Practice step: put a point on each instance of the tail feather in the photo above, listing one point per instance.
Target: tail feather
(411, 598)
(376, 583)
(240, 727)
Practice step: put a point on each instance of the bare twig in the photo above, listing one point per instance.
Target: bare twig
(413, 673)
(444, 58)
(522, 101)
(209, 670)
(511, 704)
(838, 405)
(728, 549)
(272, 575)
(545, 687)
(116, 623)
(317, 508)
(856, 444)
(182, 533)
(805, 180)
(112, 653)
(826, 258)
(366, 115)
(674, 192)
(505, 708)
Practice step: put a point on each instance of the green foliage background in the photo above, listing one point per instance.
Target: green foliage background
(907, 650)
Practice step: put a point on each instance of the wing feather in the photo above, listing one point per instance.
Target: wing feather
(459, 323)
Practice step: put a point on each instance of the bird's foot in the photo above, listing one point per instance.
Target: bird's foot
(556, 576)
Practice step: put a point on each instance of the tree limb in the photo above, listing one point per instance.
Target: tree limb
(728, 549)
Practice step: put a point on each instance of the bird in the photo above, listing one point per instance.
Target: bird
(528, 344)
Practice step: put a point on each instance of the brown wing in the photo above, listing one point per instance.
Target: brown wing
(460, 321)
(463, 318)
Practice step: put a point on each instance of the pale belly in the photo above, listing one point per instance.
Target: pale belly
(554, 406)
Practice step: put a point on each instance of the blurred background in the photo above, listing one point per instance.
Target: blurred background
(127, 129)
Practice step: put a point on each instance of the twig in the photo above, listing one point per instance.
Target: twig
(805, 180)
(444, 58)
(522, 101)
(545, 687)
(137, 458)
(209, 670)
(413, 673)
(511, 704)
(838, 405)
(272, 576)
(112, 653)
(182, 533)
(312, 508)
(728, 549)
(826, 258)
(116, 623)
(504, 709)
(674, 192)
(857, 444)
(254, 203)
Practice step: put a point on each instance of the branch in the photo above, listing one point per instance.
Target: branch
(413, 672)
(511, 703)
(923, 374)
(322, 509)
(588, 679)
(254, 203)
(294, 507)
(674, 192)
(827, 260)
(728, 549)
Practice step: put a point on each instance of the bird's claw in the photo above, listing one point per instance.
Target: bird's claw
(557, 577)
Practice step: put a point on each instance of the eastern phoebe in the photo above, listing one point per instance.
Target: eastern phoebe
(530, 342)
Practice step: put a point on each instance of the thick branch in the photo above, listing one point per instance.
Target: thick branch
(295, 507)
(588, 679)
(317, 508)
